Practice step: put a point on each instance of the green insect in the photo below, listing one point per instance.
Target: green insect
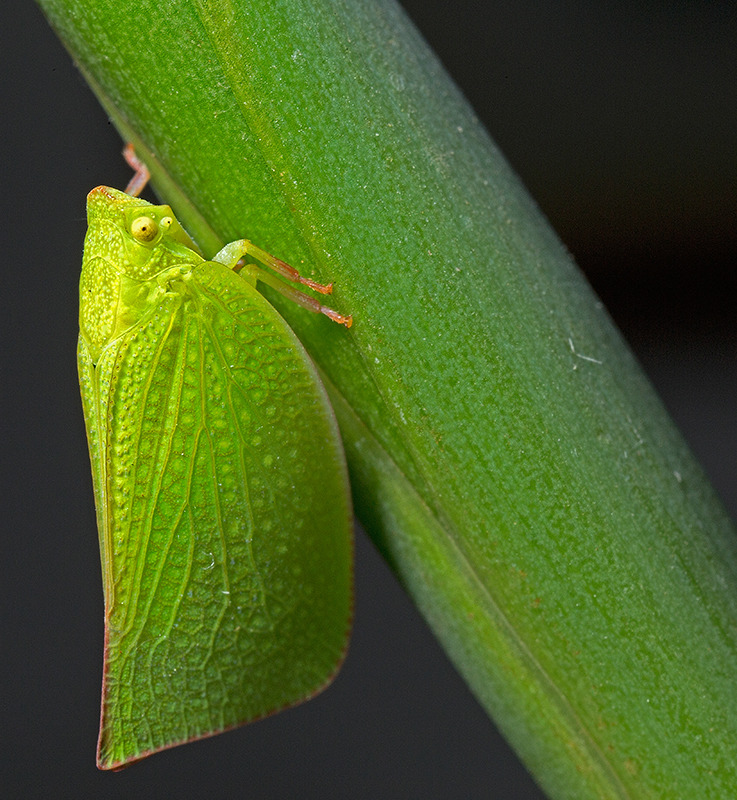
(221, 490)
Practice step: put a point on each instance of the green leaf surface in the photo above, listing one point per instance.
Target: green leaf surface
(506, 453)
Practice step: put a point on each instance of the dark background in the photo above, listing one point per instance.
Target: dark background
(620, 117)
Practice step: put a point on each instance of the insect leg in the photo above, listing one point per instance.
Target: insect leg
(302, 299)
(232, 254)
(139, 180)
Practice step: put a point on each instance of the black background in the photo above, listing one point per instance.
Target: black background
(620, 117)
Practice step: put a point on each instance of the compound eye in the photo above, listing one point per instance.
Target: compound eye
(144, 229)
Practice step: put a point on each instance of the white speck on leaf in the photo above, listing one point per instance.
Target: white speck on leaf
(582, 357)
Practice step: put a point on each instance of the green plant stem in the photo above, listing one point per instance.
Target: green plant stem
(506, 453)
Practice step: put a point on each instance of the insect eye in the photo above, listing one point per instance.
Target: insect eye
(144, 229)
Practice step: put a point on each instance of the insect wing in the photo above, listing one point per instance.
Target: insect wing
(224, 515)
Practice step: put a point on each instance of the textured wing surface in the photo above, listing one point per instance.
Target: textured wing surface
(225, 519)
